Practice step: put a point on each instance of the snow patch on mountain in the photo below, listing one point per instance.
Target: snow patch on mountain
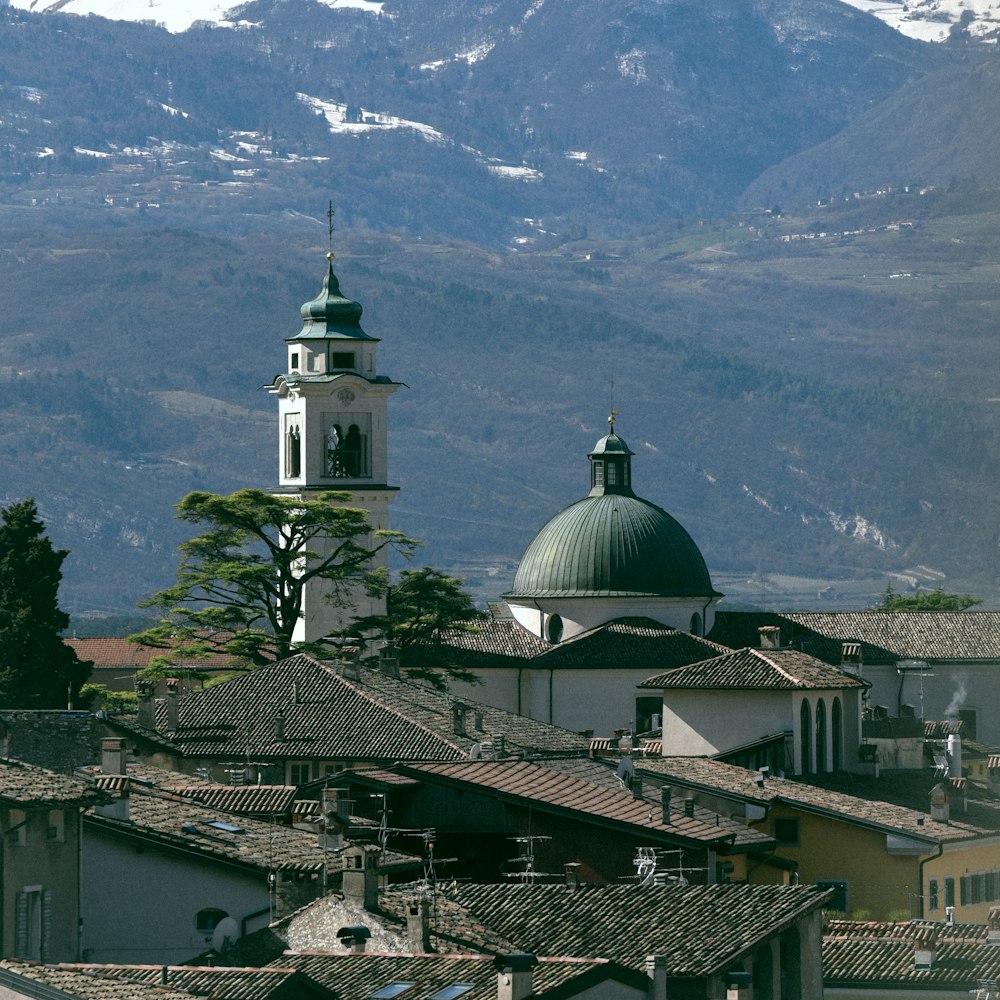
(932, 20)
(346, 120)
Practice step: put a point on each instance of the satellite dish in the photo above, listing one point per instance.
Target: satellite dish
(225, 935)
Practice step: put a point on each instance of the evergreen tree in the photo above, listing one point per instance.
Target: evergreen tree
(37, 669)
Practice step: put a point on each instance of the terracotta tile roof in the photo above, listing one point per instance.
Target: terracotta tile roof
(497, 643)
(880, 956)
(630, 642)
(215, 981)
(115, 653)
(244, 800)
(943, 729)
(885, 636)
(728, 779)
(172, 820)
(604, 774)
(757, 669)
(567, 793)
(24, 784)
(75, 983)
(700, 928)
(626, 643)
(354, 977)
(330, 717)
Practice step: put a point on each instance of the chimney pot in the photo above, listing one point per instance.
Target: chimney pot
(173, 689)
(388, 660)
(665, 794)
(144, 689)
(689, 808)
(113, 755)
(418, 925)
(572, 869)
(514, 975)
(770, 637)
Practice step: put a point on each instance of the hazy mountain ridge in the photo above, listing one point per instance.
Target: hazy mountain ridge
(817, 406)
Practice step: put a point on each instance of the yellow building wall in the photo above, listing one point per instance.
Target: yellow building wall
(974, 858)
(877, 882)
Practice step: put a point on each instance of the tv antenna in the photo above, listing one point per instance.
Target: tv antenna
(526, 857)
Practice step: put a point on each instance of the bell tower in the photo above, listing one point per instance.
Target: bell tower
(332, 432)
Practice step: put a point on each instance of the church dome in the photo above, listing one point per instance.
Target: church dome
(612, 543)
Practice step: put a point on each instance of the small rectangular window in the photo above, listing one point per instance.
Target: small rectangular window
(343, 359)
(17, 832)
(390, 991)
(299, 772)
(838, 901)
(294, 363)
(786, 830)
(965, 890)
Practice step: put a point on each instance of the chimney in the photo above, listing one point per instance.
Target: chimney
(499, 747)
(851, 661)
(458, 711)
(770, 636)
(331, 825)
(924, 947)
(279, 726)
(418, 925)
(350, 662)
(113, 755)
(939, 803)
(689, 808)
(354, 937)
(637, 786)
(144, 689)
(665, 794)
(572, 869)
(993, 926)
(514, 975)
(739, 986)
(656, 970)
(954, 755)
(388, 660)
(479, 721)
(360, 877)
(118, 788)
(173, 686)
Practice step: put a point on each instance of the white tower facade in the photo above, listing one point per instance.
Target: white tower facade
(333, 435)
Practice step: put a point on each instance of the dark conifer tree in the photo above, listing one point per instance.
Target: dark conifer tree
(37, 669)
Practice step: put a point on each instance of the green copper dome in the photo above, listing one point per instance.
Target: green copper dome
(612, 543)
(331, 314)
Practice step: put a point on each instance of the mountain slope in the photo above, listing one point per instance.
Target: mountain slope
(940, 129)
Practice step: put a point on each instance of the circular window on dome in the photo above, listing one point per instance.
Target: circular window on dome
(554, 628)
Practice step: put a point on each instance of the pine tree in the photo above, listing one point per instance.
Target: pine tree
(37, 669)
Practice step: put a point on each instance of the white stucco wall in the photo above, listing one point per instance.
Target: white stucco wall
(697, 723)
(943, 689)
(140, 906)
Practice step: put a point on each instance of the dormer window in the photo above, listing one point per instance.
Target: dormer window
(342, 360)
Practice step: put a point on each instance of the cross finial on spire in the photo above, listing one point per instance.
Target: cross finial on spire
(611, 420)
(329, 217)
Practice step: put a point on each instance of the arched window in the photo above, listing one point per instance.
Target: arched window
(820, 736)
(805, 737)
(695, 624)
(837, 735)
(554, 628)
(208, 919)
